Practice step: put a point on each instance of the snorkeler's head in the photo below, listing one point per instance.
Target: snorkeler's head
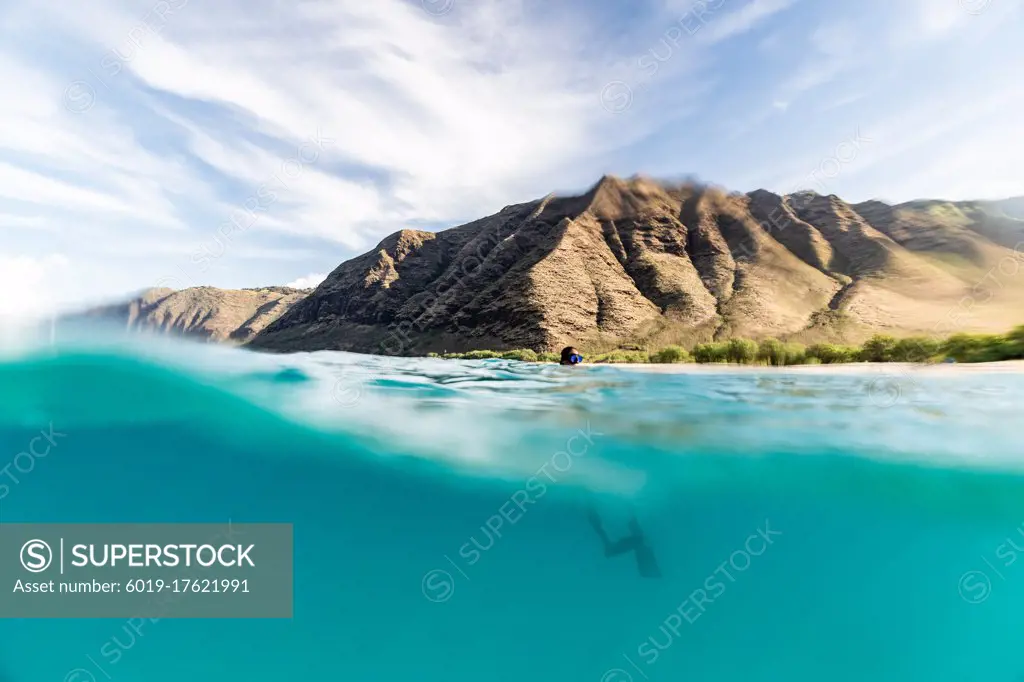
(570, 356)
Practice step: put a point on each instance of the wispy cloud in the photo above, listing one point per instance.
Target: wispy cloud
(170, 115)
(744, 19)
(833, 50)
(145, 137)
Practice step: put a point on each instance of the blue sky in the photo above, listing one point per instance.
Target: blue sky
(179, 142)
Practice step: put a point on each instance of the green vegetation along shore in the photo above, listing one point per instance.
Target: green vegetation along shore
(772, 352)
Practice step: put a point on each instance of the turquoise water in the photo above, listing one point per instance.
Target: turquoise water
(808, 526)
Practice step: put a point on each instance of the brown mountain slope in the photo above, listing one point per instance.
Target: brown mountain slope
(639, 261)
(224, 315)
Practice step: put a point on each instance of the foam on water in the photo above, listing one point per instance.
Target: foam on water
(391, 470)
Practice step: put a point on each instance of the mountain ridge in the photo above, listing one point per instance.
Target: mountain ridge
(635, 261)
(205, 313)
(641, 260)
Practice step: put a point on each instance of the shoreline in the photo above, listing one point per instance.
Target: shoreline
(887, 368)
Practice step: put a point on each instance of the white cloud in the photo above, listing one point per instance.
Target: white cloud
(309, 281)
(175, 122)
(31, 286)
(12, 220)
(415, 103)
(402, 93)
(935, 19)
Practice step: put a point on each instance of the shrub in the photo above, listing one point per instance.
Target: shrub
(981, 347)
(478, 355)
(994, 348)
(779, 354)
(769, 350)
(960, 347)
(521, 354)
(670, 354)
(711, 352)
(1015, 344)
(794, 354)
(915, 349)
(622, 356)
(831, 354)
(879, 348)
(741, 351)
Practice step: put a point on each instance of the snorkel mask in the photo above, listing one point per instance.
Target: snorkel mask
(575, 359)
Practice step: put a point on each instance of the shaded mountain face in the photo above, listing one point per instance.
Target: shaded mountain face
(963, 228)
(224, 315)
(639, 261)
(1012, 208)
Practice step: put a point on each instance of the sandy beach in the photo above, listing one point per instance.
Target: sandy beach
(893, 368)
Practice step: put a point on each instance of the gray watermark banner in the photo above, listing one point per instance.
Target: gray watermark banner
(146, 570)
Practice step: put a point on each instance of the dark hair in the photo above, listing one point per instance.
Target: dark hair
(566, 352)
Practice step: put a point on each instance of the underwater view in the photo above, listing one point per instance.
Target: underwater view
(468, 520)
(512, 341)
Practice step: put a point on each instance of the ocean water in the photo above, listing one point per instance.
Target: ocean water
(807, 526)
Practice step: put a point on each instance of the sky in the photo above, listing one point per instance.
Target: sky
(237, 144)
